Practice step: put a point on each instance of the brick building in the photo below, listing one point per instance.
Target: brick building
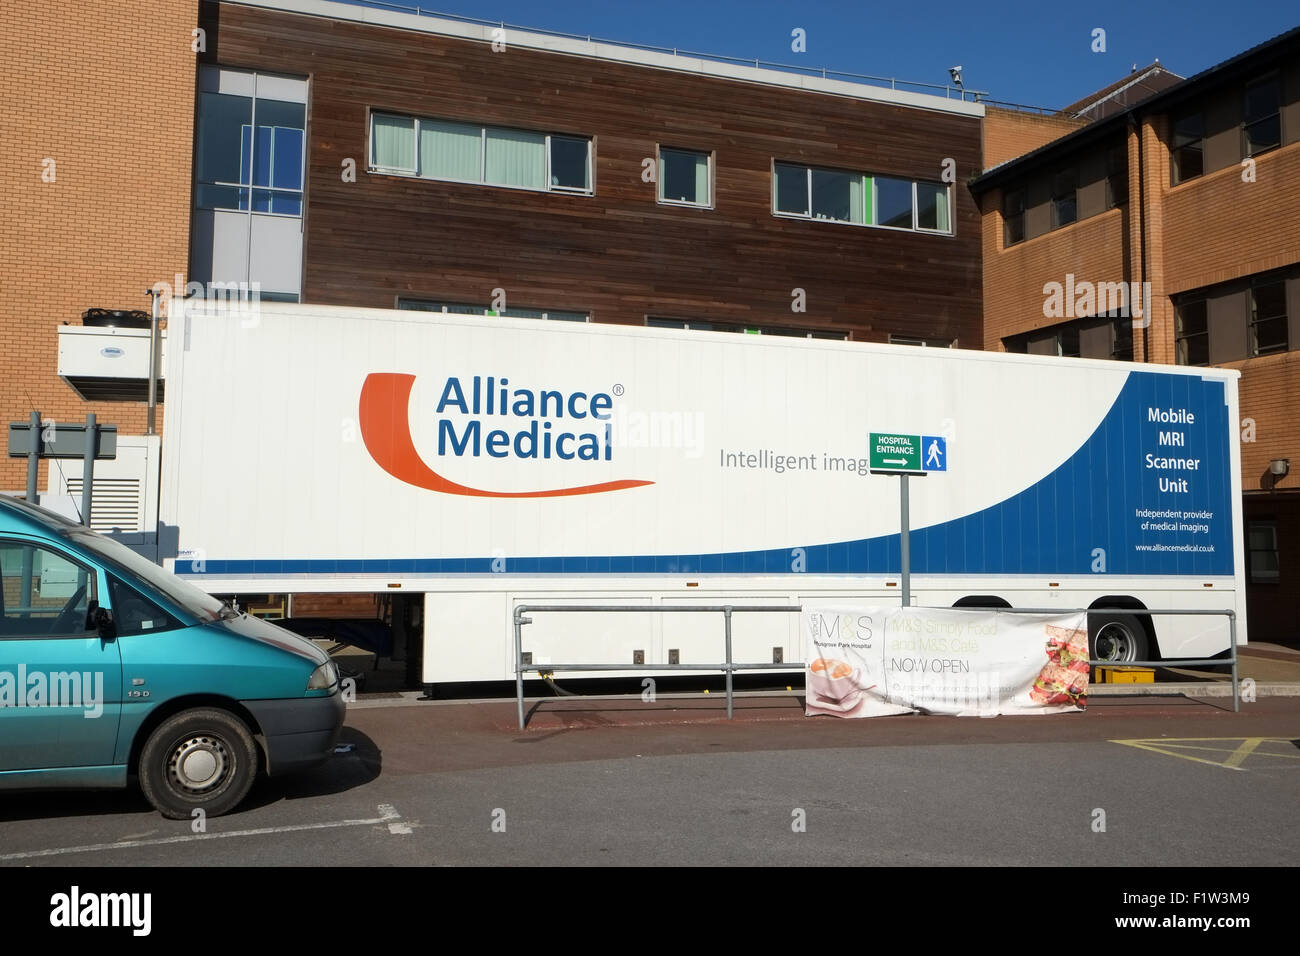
(98, 138)
(1192, 191)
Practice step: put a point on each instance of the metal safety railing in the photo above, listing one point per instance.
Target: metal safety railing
(728, 666)
(948, 91)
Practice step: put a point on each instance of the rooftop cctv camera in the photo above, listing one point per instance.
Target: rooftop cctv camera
(955, 71)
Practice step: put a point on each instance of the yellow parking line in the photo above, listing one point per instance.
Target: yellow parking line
(1233, 750)
(1171, 747)
(1248, 747)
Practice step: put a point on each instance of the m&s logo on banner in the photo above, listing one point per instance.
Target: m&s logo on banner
(843, 627)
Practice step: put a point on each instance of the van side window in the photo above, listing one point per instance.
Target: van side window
(43, 593)
(133, 613)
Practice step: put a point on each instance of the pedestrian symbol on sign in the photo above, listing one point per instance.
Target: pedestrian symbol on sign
(936, 453)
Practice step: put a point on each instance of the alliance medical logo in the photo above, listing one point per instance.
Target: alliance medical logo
(487, 416)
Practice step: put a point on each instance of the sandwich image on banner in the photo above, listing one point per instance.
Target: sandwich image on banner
(874, 661)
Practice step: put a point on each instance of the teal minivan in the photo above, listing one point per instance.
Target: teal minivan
(110, 667)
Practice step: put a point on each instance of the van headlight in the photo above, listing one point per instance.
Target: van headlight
(324, 677)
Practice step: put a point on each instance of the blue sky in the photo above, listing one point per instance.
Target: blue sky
(1035, 52)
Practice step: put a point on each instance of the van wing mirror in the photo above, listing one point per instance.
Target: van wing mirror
(101, 619)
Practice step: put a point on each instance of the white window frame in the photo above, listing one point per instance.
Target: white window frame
(483, 128)
(591, 170)
(739, 329)
(374, 167)
(875, 201)
(916, 208)
(659, 177)
(921, 341)
(482, 310)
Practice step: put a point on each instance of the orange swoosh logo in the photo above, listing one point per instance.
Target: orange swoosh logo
(386, 430)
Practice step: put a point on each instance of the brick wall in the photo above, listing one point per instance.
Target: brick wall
(1267, 395)
(1209, 230)
(1008, 134)
(1219, 227)
(106, 91)
(1014, 277)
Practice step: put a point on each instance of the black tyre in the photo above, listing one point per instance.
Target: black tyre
(1117, 638)
(203, 759)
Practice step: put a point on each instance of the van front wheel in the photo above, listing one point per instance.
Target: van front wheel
(202, 759)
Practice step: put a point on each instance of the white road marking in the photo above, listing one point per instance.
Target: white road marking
(387, 815)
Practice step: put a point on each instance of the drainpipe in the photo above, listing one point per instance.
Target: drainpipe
(151, 412)
(1142, 234)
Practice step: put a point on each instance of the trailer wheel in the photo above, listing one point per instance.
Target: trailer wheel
(201, 759)
(1116, 638)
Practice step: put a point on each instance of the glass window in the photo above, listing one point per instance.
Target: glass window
(1117, 175)
(837, 196)
(133, 613)
(1013, 216)
(1065, 208)
(792, 189)
(1068, 336)
(662, 322)
(923, 342)
(472, 153)
(1188, 145)
(1262, 120)
(571, 163)
(1122, 342)
(459, 308)
(451, 151)
(1192, 337)
(233, 153)
(684, 177)
(894, 202)
(393, 145)
(515, 158)
(186, 596)
(42, 592)
(1261, 551)
(1268, 324)
(223, 155)
(932, 207)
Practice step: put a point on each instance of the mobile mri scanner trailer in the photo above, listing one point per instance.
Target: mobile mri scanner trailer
(486, 462)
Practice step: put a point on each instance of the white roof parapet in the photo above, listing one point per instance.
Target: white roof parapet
(724, 68)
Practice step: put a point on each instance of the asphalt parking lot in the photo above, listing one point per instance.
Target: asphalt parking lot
(1133, 781)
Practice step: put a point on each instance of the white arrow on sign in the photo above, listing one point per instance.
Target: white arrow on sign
(894, 461)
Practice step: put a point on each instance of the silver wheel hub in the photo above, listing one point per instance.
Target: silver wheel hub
(199, 763)
(1115, 643)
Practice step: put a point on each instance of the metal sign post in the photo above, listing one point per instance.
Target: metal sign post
(36, 439)
(904, 540)
(904, 456)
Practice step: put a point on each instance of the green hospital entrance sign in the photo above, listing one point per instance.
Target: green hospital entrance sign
(891, 452)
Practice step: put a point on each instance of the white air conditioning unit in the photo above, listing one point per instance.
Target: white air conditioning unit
(109, 364)
(125, 491)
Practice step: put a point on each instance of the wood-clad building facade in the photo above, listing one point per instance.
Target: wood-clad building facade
(713, 195)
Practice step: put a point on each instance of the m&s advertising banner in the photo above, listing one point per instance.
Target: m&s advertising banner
(877, 661)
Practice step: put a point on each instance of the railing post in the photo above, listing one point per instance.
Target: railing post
(726, 614)
(519, 663)
(1232, 631)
